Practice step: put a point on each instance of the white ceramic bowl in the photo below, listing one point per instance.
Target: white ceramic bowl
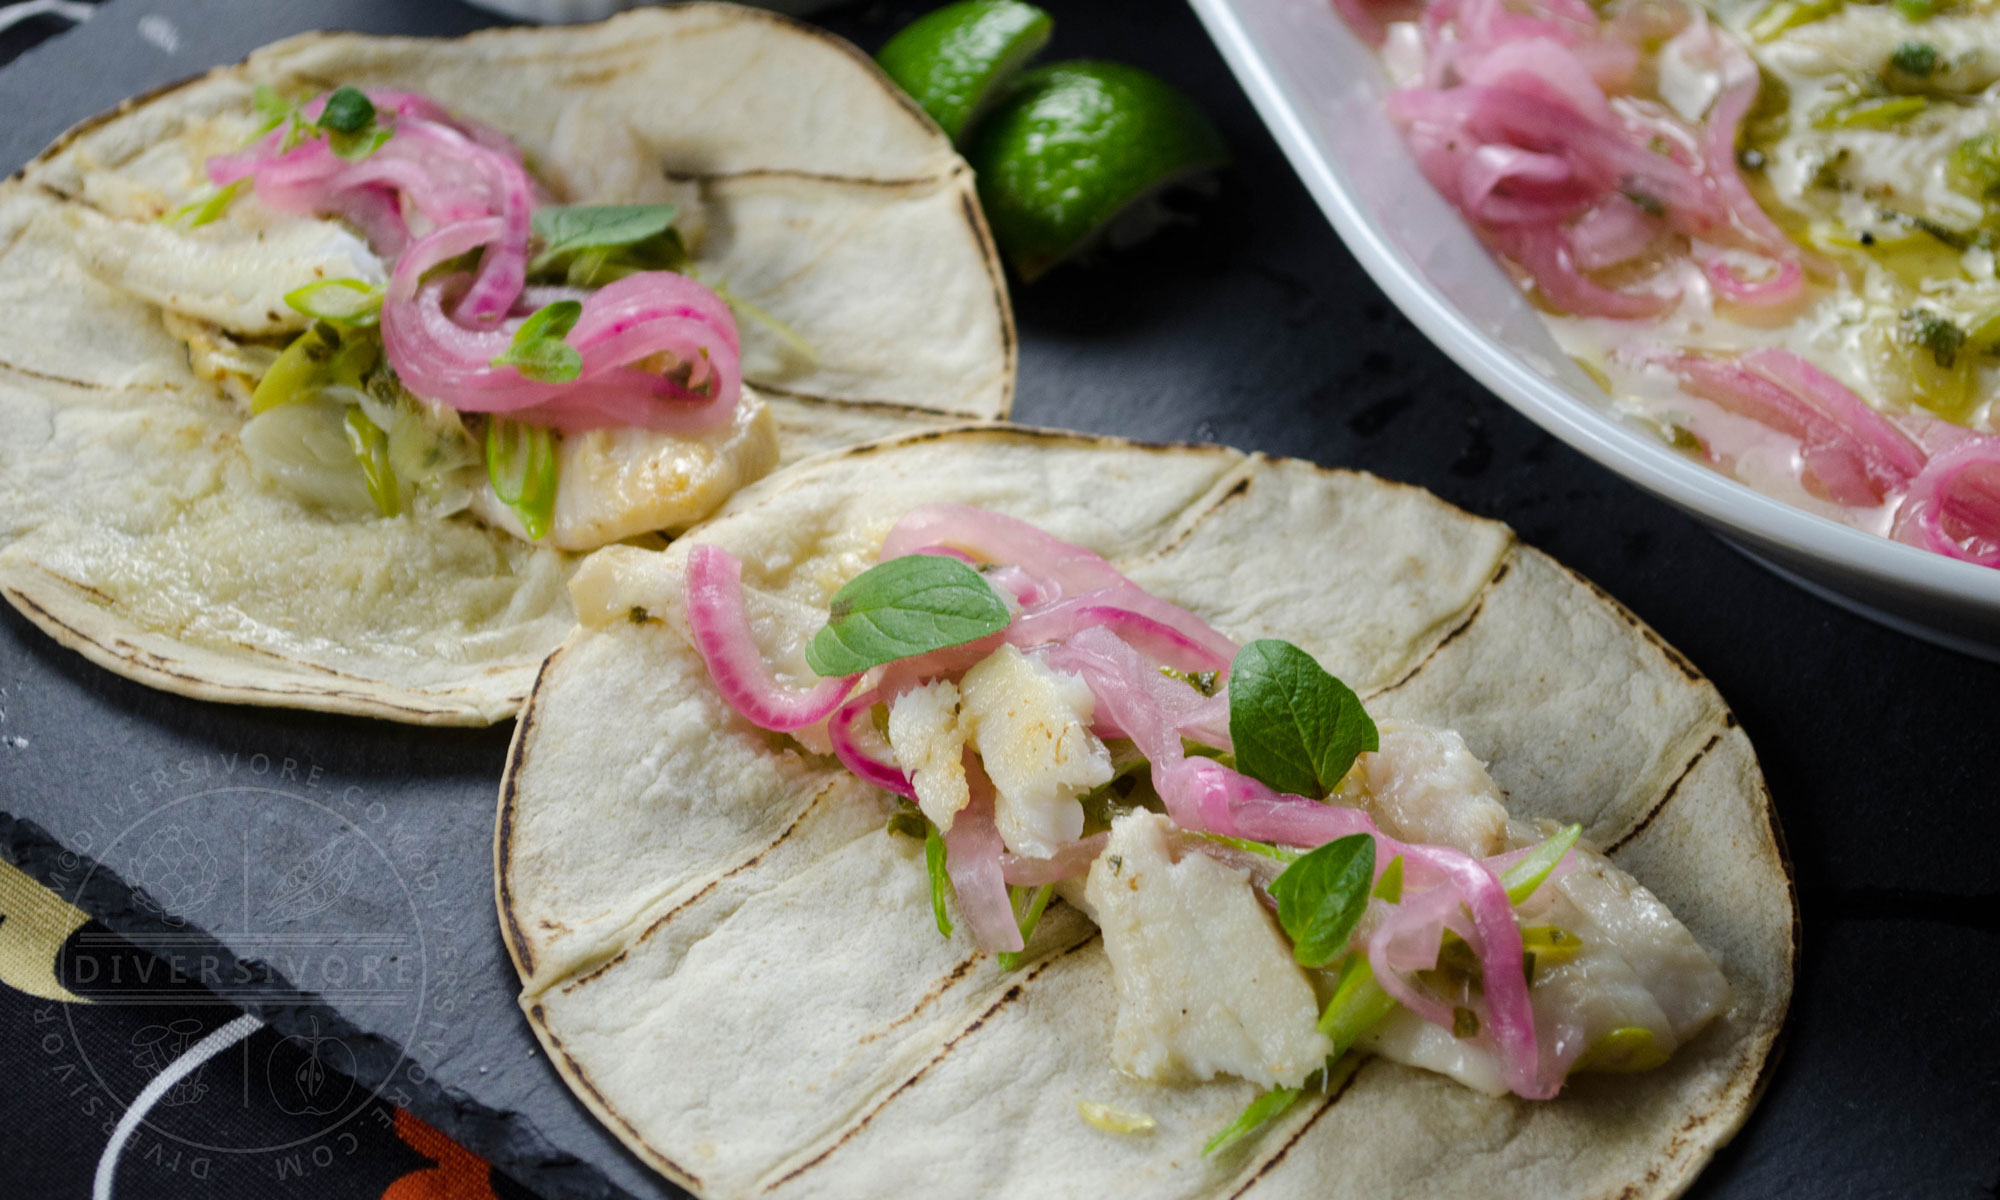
(1320, 90)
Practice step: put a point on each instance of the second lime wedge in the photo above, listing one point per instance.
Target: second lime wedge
(953, 61)
(1073, 146)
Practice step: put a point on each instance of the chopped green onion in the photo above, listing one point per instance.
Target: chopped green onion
(1390, 886)
(1011, 960)
(940, 880)
(371, 450)
(1358, 1005)
(1631, 1048)
(1283, 854)
(538, 351)
(521, 462)
(1525, 876)
(1872, 113)
(205, 208)
(1915, 11)
(298, 369)
(1915, 58)
(1264, 1109)
(1790, 14)
(1975, 165)
(1114, 1120)
(273, 109)
(346, 302)
(1547, 946)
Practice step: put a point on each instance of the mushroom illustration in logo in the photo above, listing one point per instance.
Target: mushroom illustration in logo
(155, 1046)
(177, 874)
(310, 1074)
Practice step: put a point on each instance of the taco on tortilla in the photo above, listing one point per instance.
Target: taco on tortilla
(322, 368)
(1033, 814)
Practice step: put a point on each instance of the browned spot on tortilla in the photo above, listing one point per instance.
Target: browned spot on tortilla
(1325, 1107)
(887, 406)
(1665, 797)
(989, 255)
(938, 989)
(65, 380)
(707, 890)
(600, 1103)
(1473, 614)
(1237, 491)
(1008, 997)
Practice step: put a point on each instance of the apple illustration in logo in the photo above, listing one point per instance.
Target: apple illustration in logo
(310, 1075)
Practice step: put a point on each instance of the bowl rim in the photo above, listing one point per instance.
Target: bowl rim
(1584, 426)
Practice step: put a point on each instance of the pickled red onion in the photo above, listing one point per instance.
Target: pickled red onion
(866, 764)
(972, 850)
(721, 628)
(1953, 506)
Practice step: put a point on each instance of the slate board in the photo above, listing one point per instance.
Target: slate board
(1253, 327)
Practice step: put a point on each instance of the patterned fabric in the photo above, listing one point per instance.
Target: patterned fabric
(103, 1045)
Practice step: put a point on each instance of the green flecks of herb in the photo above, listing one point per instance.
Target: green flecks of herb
(1295, 727)
(272, 109)
(1790, 14)
(538, 351)
(1975, 165)
(1261, 1111)
(207, 207)
(908, 822)
(905, 607)
(1525, 876)
(1646, 200)
(371, 451)
(1322, 895)
(1925, 330)
(1201, 681)
(1036, 900)
(346, 303)
(638, 615)
(1915, 58)
(1915, 11)
(349, 122)
(940, 879)
(521, 463)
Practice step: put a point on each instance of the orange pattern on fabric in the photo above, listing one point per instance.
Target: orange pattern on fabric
(458, 1175)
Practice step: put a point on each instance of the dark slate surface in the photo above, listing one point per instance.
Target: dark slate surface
(1255, 328)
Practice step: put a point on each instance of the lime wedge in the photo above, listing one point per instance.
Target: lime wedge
(1078, 150)
(953, 61)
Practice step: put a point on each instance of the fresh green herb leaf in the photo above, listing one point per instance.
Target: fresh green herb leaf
(348, 110)
(207, 207)
(1915, 58)
(594, 244)
(1263, 1110)
(1390, 886)
(342, 302)
(538, 351)
(904, 607)
(521, 462)
(940, 880)
(1038, 899)
(1296, 728)
(1322, 895)
(354, 147)
(371, 451)
(1531, 872)
(1358, 1005)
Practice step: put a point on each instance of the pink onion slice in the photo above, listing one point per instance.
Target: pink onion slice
(1070, 860)
(995, 538)
(1953, 506)
(721, 627)
(861, 750)
(972, 850)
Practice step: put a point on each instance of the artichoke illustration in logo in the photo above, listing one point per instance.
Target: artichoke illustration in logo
(177, 874)
(318, 882)
(310, 1074)
(158, 1045)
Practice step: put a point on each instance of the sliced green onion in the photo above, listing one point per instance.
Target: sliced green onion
(272, 109)
(1390, 886)
(1283, 854)
(940, 880)
(345, 302)
(1115, 1120)
(1011, 959)
(1525, 876)
(538, 351)
(1631, 1048)
(1790, 14)
(1263, 1110)
(371, 450)
(206, 208)
(1358, 1005)
(299, 369)
(521, 462)
(1873, 114)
